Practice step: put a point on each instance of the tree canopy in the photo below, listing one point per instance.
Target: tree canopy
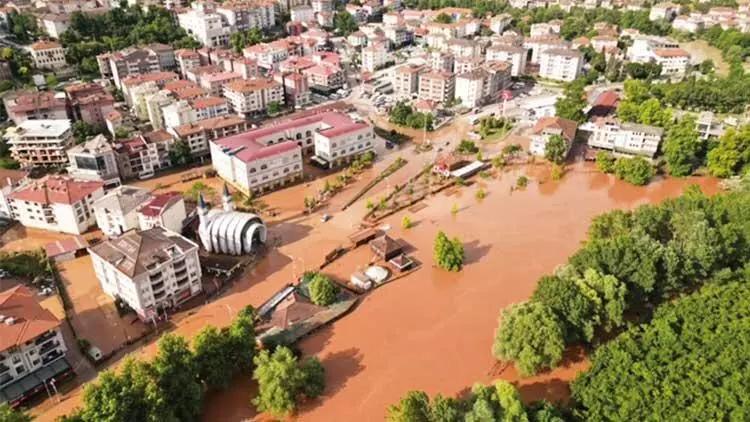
(556, 149)
(637, 170)
(449, 253)
(682, 147)
(571, 105)
(281, 380)
(323, 291)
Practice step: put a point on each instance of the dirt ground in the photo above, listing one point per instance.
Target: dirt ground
(430, 330)
(19, 238)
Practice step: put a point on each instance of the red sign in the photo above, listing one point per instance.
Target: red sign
(507, 95)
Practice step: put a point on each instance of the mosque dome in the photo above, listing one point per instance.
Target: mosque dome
(229, 232)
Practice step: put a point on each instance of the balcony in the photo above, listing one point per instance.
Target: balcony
(46, 347)
(46, 336)
(53, 355)
(159, 295)
(154, 277)
(157, 286)
(179, 274)
(4, 368)
(179, 265)
(182, 281)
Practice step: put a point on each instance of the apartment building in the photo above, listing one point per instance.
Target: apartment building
(57, 203)
(467, 64)
(560, 64)
(205, 25)
(406, 81)
(117, 211)
(397, 35)
(9, 181)
(482, 85)
(325, 76)
(514, 55)
(200, 133)
(43, 105)
(47, 55)
(374, 57)
(340, 139)
(441, 62)
(268, 55)
(96, 160)
(302, 13)
(296, 88)
(243, 15)
(545, 28)
(622, 137)
(187, 60)
(663, 11)
(464, 48)
(152, 270)
(549, 126)
(30, 340)
(439, 87)
(688, 24)
(89, 103)
(143, 155)
(40, 142)
(210, 107)
(542, 43)
(602, 43)
(165, 210)
(248, 97)
(674, 60)
(135, 61)
(501, 22)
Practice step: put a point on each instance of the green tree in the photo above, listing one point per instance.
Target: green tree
(509, 400)
(82, 131)
(682, 147)
(176, 374)
(323, 291)
(605, 162)
(706, 67)
(254, 36)
(531, 335)
(637, 170)
(414, 407)
(121, 132)
(345, 23)
(199, 188)
(446, 409)
(556, 149)
(8, 414)
(213, 357)
(568, 301)
(314, 382)
(443, 18)
(274, 108)
(449, 254)
(179, 153)
(242, 339)
(731, 154)
(279, 381)
(571, 105)
(406, 222)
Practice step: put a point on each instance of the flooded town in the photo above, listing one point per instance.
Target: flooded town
(335, 211)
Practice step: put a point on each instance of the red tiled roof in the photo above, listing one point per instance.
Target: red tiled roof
(64, 246)
(607, 99)
(45, 45)
(157, 204)
(37, 100)
(31, 320)
(568, 127)
(56, 190)
(208, 102)
(671, 52)
(343, 130)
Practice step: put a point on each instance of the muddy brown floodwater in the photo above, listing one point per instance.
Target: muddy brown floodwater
(433, 330)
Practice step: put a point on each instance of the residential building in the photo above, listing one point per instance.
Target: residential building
(467, 64)
(542, 43)
(325, 76)
(9, 181)
(143, 155)
(499, 23)
(546, 127)
(47, 55)
(516, 56)
(397, 35)
(622, 137)
(179, 113)
(187, 60)
(708, 126)
(30, 339)
(441, 62)
(322, 6)
(675, 62)
(296, 88)
(40, 142)
(437, 86)
(55, 24)
(94, 159)
(406, 81)
(482, 85)
(200, 133)
(688, 24)
(464, 48)
(154, 104)
(375, 57)
(136, 61)
(116, 212)
(602, 43)
(57, 203)
(214, 84)
(546, 28)
(210, 107)
(89, 103)
(302, 13)
(248, 97)
(243, 15)
(560, 64)
(152, 270)
(663, 11)
(204, 24)
(340, 139)
(165, 210)
(43, 105)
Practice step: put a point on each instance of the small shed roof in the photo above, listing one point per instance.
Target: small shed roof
(385, 245)
(70, 244)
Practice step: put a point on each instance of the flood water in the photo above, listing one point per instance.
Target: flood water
(433, 330)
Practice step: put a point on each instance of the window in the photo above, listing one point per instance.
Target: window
(296, 166)
(263, 167)
(299, 136)
(333, 145)
(252, 170)
(308, 133)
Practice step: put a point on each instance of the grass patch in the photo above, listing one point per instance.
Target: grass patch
(496, 135)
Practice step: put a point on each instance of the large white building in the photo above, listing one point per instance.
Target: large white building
(94, 159)
(483, 84)
(374, 57)
(560, 64)
(56, 203)
(152, 270)
(247, 97)
(547, 127)
(30, 339)
(673, 60)
(204, 24)
(514, 55)
(228, 231)
(40, 142)
(116, 212)
(9, 180)
(624, 138)
(47, 55)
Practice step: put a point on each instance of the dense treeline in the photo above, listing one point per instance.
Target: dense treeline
(499, 402)
(403, 114)
(690, 363)
(632, 261)
(88, 35)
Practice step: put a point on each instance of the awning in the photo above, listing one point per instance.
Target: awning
(34, 382)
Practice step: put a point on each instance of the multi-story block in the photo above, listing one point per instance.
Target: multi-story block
(481, 85)
(516, 56)
(136, 61)
(441, 62)
(210, 107)
(624, 138)
(664, 11)
(142, 156)
(57, 203)
(673, 61)
(30, 340)
(253, 96)
(547, 127)
(464, 48)
(9, 181)
(47, 55)
(326, 76)
(320, 6)
(560, 64)
(688, 24)
(96, 160)
(22, 106)
(200, 133)
(602, 43)
(152, 270)
(40, 142)
(187, 60)
(165, 210)
(397, 35)
(137, 89)
(542, 43)
(437, 86)
(303, 13)
(204, 24)
(241, 16)
(296, 88)
(90, 103)
(216, 82)
(116, 212)
(374, 57)
(340, 139)
(501, 22)
(467, 64)
(406, 81)
(179, 113)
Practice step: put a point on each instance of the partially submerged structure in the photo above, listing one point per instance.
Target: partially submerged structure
(227, 231)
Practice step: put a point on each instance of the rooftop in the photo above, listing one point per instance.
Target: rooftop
(45, 45)
(63, 246)
(35, 101)
(159, 203)
(56, 190)
(28, 319)
(44, 128)
(567, 127)
(123, 198)
(95, 145)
